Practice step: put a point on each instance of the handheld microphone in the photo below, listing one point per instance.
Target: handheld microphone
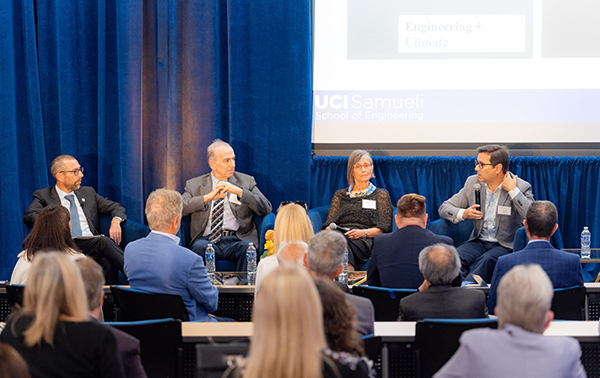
(334, 227)
(477, 188)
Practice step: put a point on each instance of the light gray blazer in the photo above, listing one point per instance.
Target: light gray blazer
(252, 201)
(514, 352)
(506, 225)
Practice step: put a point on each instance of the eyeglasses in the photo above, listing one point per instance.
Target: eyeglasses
(299, 203)
(76, 172)
(363, 166)
(481, 165)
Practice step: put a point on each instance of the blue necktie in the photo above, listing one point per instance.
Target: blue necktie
(75, 225)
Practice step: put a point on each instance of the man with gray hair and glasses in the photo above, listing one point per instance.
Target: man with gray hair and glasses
(436, 298)
(518, 348)
(325, 260)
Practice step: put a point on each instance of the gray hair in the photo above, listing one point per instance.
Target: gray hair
(57, 163)
(93, 280)
(326, 252)
(439, 263)
(353, 159)
(292, 252)
(210, 151)
(162, 207)
(541, 218)
(525, 297)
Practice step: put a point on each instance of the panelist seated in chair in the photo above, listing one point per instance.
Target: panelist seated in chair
(436, 298)
(395, 259)
(84, 205)
(362, 210)
(158, 264)
(222, 204)
(563, 268)
(518, 347)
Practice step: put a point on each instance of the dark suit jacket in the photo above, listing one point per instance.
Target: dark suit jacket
(91, 203)
(129, 351)
(395, 259)
(365, 312)
(252, 201)
(563, 268)
(444, 301)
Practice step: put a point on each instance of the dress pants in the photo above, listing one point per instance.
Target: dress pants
(228, 248)
(105, 252)
(484, 254)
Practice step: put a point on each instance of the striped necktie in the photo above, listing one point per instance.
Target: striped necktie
(217, 220)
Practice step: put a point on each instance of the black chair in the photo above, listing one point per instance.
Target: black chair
(213, 359)
(14, 294)
(436, 340)
(135, 305)
(386, 302)
(161, 345)
(569, 303)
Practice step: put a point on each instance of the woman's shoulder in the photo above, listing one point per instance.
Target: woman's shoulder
(348, 365)
(380, 192)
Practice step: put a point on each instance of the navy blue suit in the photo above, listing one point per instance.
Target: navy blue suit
(563, 268)
(395, 259)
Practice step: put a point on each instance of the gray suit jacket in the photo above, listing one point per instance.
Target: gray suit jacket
(513, 352)
(365, 312)
(252, 202)
(506, 225)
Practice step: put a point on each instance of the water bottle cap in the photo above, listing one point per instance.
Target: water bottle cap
(585, 227)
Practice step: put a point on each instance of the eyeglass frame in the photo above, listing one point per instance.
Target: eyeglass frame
(481, 165)
(299, 203)
(76, 172)
(363, 166)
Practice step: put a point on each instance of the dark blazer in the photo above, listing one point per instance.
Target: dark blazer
(129, 351)
(365, 312)
(252, 201)
(91, 203)
(563, 268)
(444, 301)
(395, 259)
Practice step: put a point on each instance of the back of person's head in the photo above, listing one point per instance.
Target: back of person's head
(541, 218)
(439, 264)
(326, 252)
(12, 365)
(292, 253)
(524, 298)
(93, 281)
(291, 224)
(339, 319)
(51, 230)
(498, 155)
(288, 327)
(162, 207)
(411, 205)
(54, 288)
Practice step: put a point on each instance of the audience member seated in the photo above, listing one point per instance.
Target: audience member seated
(291, 224)
(436, 298)
(53, 332)
(339, 319)
(362, 209)
(288, 339)
(51, 231)
(128, 346)
(563, 268)
(12, 365)
(325, 260)
(157, 263)
(292, 252)
(395, 259)
(518, 348)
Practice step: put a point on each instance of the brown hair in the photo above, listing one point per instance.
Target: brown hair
(411, 205)
(51, 231)
(498, 155)
(12, 365)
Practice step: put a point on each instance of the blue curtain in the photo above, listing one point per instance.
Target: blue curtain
(570, 183)
(137, 90)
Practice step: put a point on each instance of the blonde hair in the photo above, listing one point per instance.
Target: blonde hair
(291, 224)
(288, 327)
(162, 207)
(54, 288)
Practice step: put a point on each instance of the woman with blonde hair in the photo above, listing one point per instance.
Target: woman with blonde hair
(291, 225)
(53, 332)
(288, 339)
(51, 231)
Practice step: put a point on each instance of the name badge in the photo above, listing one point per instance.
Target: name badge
(504, 210)
(233, 198)
(369, 204)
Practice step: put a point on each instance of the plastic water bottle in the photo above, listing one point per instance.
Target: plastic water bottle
(251, 259)
(586, 241)
(343, 277)
(210, 262)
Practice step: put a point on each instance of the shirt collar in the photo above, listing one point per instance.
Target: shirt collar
(215, 180)
(61, 193)
(171, 236)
